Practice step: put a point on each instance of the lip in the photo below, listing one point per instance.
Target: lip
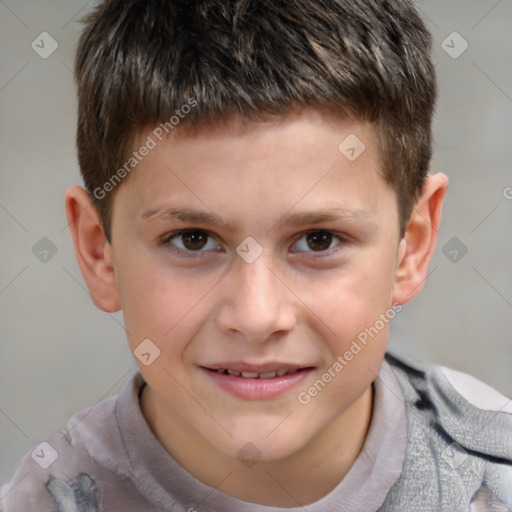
(256, 388)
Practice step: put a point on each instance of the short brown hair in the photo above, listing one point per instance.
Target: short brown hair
(140, 61)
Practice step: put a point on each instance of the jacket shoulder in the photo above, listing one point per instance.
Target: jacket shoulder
(469, 411)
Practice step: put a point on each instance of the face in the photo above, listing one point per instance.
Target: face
(260, 249)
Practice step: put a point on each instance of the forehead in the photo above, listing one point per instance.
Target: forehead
(306, 157)
(308, 136)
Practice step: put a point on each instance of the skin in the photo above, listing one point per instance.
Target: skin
(294, 303)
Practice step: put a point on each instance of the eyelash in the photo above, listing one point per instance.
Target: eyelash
(166, 240)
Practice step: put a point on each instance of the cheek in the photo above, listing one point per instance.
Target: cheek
(350, 300)
(162, 305)
(356, 317)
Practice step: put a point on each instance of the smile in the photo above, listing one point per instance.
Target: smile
(256, 385)
(255, 375)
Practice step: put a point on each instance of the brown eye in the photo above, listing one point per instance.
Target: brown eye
(319, 240)
(194, 240)
(190, 241)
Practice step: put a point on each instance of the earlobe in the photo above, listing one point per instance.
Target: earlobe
(417, 247)
(92, 250)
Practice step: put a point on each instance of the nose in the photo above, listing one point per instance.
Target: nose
(256, 304)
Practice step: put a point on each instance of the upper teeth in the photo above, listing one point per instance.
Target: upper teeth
(253, 375)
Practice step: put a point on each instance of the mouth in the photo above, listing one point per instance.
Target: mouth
(256, 375)
(256, 382)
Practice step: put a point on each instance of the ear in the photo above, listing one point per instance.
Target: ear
(92, 250)
(419, 241)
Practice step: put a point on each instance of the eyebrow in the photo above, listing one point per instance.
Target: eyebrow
(187, 215)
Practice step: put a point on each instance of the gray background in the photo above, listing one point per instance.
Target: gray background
(60, 354)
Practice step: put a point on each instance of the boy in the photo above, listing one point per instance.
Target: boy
(258, 204)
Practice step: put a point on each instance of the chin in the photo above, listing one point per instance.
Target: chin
(263, 440)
